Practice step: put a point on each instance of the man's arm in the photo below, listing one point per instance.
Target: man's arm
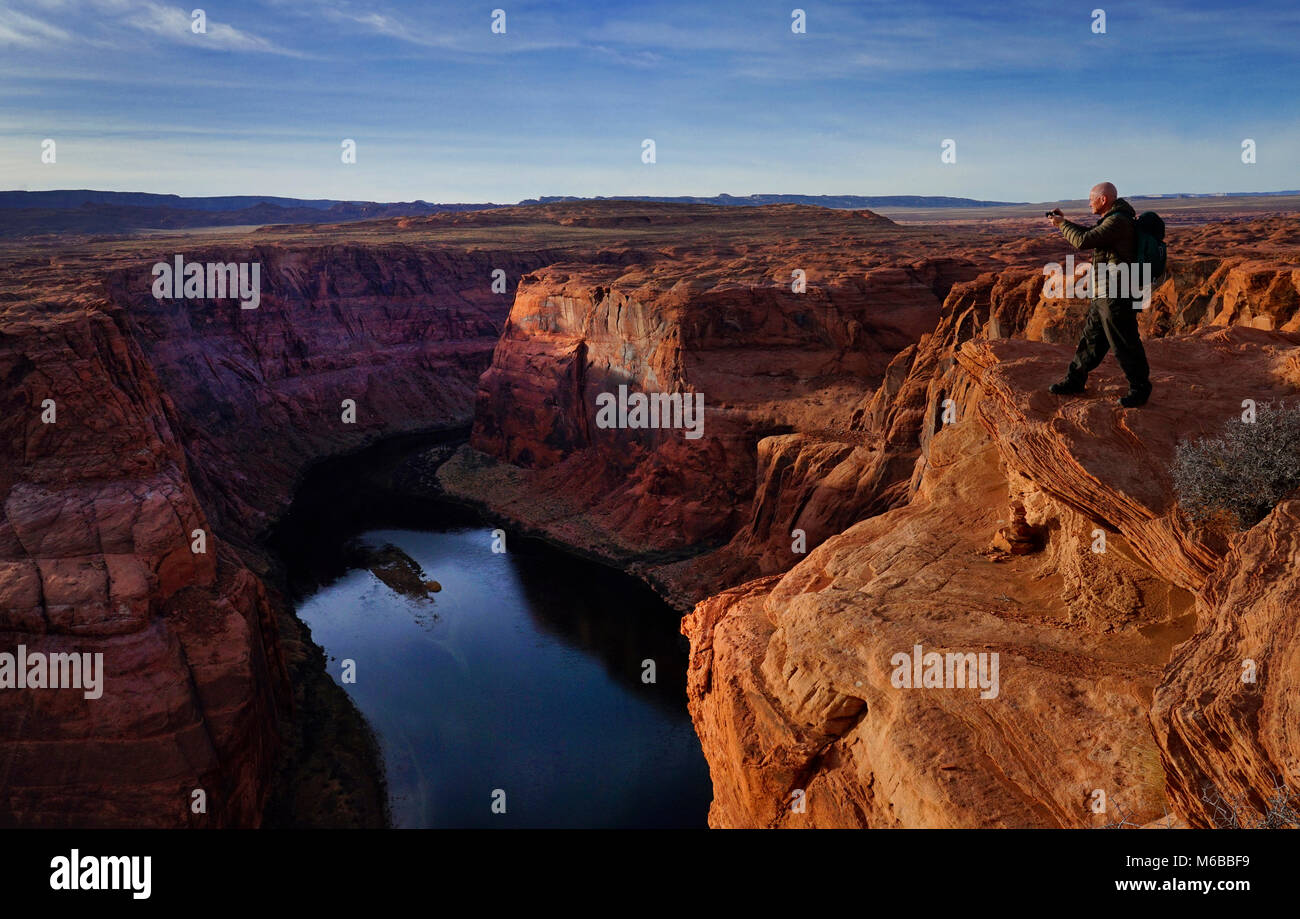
(1104, 235)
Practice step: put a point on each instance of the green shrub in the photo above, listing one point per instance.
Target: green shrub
(1245, 471)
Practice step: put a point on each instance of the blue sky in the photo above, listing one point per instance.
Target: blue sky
(442, 109)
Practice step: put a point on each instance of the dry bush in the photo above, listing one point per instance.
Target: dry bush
(1241, 474)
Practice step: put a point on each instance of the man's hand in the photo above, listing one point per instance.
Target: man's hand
(1056, 217)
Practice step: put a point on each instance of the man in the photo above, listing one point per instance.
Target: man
(1112, 318)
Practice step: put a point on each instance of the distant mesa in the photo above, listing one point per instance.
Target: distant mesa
(85, 211)
(30, 213)
(330, 208)
(838, 202)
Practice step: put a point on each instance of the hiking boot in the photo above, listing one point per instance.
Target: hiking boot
(1065, 387)
(1136, 396)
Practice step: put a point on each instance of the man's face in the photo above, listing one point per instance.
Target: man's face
(1098, 202)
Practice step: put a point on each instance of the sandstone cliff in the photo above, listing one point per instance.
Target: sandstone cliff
(1121, 669)
(880, 468)
(971, 531)
(95, 557)
(176, 419)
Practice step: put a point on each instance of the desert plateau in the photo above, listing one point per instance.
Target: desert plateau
(880, 468)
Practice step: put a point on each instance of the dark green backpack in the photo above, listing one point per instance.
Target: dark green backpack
(1151, 243)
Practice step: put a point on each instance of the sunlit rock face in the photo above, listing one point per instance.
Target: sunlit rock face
(875, 415)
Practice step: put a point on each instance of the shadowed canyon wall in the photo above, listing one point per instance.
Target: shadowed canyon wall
(824, 415)
(1105, 654)
(177, 419)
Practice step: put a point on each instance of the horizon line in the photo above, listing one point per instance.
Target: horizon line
(648, 198)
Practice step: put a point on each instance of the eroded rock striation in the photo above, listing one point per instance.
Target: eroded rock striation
(880, 472)
(148, 445)
(902, 491)
(791, 684)
(96, 558)
(791, 679)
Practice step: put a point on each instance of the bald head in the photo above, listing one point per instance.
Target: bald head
(1102, 196)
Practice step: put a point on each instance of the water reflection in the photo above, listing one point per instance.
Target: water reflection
(522, 673)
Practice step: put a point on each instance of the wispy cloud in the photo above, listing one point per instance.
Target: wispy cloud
(20, 29)
(443, 107)
(174, 23)
(455, 33)
(105, 22)
(386, 24)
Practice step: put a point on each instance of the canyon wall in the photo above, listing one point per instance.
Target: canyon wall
(945, 500)
(880, 467)
(177, 420)
(1121, 669)
(402, 332)
(95, 558)
(763, 360)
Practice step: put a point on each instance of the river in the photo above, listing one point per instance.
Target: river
(516, 688)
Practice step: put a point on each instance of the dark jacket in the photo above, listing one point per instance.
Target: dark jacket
(1113, 238)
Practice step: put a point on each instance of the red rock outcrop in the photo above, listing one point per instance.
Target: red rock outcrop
(765, 358)
(865, 442)
(1225, 715)
(95, 558)
(790, 680)
(1078, 459)
(176, 418)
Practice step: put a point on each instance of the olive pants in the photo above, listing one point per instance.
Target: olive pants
(1111, 324)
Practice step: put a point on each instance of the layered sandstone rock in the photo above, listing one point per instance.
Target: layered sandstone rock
(865, 441)
(96, 558)
(179, 421)
(1226, 713)
(791, 683)
(766, 359)
(403, 333)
